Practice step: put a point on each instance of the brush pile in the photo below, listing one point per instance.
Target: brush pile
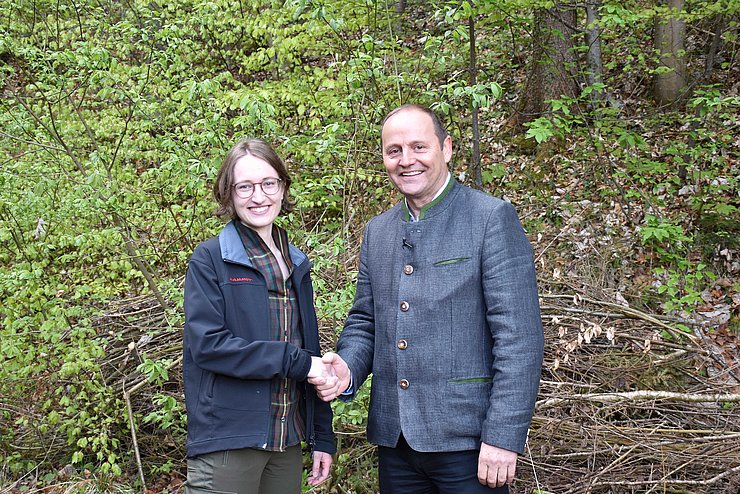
(629, 402)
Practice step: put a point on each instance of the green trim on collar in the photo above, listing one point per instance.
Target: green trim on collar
(436, 200)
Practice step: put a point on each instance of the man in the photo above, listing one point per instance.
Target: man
(446, 317)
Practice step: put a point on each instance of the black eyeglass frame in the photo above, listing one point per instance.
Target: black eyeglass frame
(254, 187)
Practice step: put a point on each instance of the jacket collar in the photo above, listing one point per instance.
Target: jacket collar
(439, 204)
(232, 249)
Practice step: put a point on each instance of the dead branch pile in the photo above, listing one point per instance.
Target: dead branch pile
(144, 330)
(628, 401)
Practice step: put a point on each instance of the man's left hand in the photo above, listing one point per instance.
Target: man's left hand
(496, 466)
(320, 470)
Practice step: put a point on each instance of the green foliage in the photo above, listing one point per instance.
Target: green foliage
(353, 414)
(559, 122)
(709, 163)
(169, 414)
(664, 235)
(155, 372)
(683, 285)
(681, 280)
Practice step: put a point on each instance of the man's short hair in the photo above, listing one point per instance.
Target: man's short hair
(439, 128)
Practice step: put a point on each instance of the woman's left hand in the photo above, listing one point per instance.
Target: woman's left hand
(321, 465)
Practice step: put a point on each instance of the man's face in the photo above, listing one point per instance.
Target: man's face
(415, 162)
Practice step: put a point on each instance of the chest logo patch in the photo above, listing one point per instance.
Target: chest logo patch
(234, 279)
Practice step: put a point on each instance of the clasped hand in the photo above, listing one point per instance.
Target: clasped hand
(330, 375)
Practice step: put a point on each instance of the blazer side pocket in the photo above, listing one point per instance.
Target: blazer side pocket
(454, 260)
(471, 380)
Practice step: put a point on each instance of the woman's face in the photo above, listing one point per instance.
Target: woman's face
(260, 210)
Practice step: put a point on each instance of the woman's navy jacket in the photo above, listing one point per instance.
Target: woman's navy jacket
(228, 357)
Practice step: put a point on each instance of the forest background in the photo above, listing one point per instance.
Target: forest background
(611, 126)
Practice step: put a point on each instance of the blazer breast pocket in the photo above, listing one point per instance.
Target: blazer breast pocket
(452, 277)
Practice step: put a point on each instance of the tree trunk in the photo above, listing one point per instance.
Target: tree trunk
(553, 71)
(400, 9)
(595, 69)
(714, 45)
(475, 158)
(670, 35)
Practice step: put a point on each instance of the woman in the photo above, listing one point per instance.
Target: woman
(251, 341)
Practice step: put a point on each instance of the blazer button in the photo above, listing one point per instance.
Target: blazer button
(402, 344)
(408, 269)
(404, 306)
(403, 384)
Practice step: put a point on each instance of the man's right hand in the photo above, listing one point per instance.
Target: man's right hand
(319, 370)
(328, 389)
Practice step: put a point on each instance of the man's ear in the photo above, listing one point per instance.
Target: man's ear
(447, 149)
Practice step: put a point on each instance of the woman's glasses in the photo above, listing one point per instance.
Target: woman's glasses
(269, 187)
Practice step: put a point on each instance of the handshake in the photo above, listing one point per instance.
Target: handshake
(330, 375)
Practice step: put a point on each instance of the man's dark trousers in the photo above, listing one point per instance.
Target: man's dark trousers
(402, 470)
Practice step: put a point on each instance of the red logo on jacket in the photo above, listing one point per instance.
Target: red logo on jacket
(237, 280)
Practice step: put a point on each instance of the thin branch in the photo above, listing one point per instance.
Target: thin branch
(32, 143)
(52, 132)
(475, 159)
(132, 425)
(709, 481)
(646, 395)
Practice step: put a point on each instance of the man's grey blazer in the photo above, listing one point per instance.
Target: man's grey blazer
(446, 317)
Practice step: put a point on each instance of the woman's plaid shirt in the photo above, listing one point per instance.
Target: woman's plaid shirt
(286, 425)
